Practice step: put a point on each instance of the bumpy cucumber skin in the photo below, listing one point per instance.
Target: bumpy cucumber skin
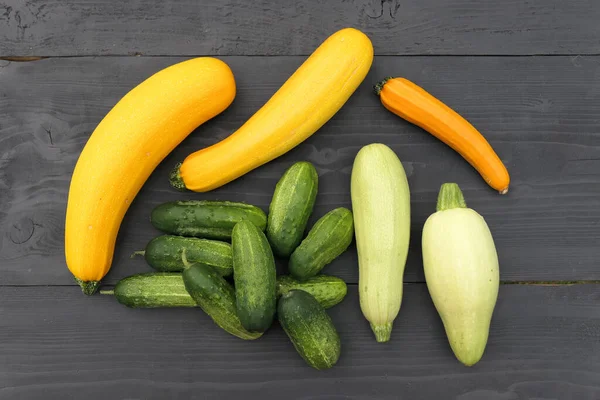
(216, 297)
(327, 290)
(329, 237)
(309, 328)
(153, 290)
(166, 290)
(165, 253)
(291, 207)
(205, 219)
(254, 274)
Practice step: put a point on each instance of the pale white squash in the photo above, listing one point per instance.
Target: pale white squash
(381, 207)
(461, 270)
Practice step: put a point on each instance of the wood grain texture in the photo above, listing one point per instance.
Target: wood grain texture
(57, 343)
(540, 113)
(296, 27)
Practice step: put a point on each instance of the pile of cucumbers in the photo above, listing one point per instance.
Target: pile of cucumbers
(194, 260)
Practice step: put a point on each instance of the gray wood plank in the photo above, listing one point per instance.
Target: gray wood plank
(237, 27)
(57, 343)
(540, 113)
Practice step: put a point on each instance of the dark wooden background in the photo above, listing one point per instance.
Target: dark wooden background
(526, 72)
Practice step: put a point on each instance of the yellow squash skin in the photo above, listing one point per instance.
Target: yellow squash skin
(306, 101)
(128, 144)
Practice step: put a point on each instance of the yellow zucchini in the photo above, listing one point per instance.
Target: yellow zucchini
(309, 98)
(128, 144)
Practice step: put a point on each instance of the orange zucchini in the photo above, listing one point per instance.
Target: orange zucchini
(128, 144)
(414, 104)
(309, 98)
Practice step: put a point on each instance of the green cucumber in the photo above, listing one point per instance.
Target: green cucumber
(216, 297)
(165, 289)
(329, 237)
(291, 206)
(205, 219)
(309, 328)
(254, 275)
(166, 253)
(328, 290)
(152, 290)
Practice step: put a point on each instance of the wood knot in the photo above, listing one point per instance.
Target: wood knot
(22, 230)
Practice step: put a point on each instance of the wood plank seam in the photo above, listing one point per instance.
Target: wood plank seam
(295, 27)
(521, 283)
(21, 58)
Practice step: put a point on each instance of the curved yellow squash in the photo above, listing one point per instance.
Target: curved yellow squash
(128, 144)
(306, 101)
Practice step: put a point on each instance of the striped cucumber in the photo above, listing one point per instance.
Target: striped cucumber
(291, 206)
(166, 253)
(329, 237)
(166, 289)
(152, 290)
(254, 275)
(328, 290)
(205, 219)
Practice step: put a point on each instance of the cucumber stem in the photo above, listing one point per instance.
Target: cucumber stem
(176, 180)
(138, 253)
(184, 260)
(109, 292)
(379, 85)
(450, 197)
(382, 332)
(88, 287)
